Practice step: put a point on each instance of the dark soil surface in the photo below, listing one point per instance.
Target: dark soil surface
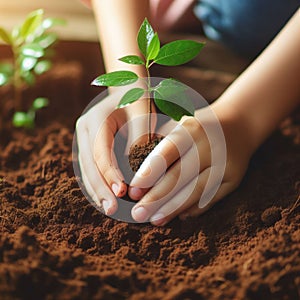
(138, 153)
(55, 245)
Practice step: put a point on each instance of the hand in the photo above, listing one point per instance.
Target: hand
(196, 165)
(95, 131)
(87, 3)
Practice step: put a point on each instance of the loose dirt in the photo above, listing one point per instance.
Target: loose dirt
(55, 245)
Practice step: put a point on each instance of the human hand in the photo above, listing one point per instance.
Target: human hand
(214, 157)
(87, 3)
(95, 132)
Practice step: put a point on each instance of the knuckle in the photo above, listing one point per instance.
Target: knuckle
(80, 123)
(107, 172)
(151, 197)
(193, 126)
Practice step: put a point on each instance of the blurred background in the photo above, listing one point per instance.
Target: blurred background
(81, 24)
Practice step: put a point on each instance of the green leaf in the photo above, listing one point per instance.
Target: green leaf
(3, 79)
(31, 23)
(171, 86)
(23, 119)
(132, 59)
(42, 67)
(145, 36)
(32, 50)
(117, 78)
(5, 36)
(28, 63)
(6, 73)
(153, 48)
(28, 77)
(46, 40)
(15, 34)
(50, 22)
(178, 52)
(39, 103)
(131, 96)
(6, 68)
(170, 98)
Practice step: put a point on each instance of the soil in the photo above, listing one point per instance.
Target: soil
(55, 245)
(138, 153)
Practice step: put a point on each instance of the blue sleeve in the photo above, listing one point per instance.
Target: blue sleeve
(246, 27)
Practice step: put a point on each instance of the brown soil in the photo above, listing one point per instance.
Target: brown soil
(55, 245)
(138, 153)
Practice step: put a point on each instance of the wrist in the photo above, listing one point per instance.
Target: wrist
(238, 128)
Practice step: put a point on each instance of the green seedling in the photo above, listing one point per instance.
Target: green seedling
(30, 44)
(26, 119)
(169, 95)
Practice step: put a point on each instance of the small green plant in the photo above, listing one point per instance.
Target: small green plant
(169, 95)
(26, 119)
(30, 44)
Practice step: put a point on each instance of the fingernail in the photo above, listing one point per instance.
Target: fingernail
(106, 204)
(135, 193)
(115, 189)
(158, 219)
(140, 214)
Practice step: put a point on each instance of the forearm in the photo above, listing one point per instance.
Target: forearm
(118, 24)
(170, 15)
(269, 89)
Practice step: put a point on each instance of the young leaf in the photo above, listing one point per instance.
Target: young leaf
(22, 119)
(178, 52)
(42, 67)
(132, 59)
(145, 35)
(31, 23)
(170, 98)
(6, 73)
(39, 103)
(171, 86)
(117, 78)
(172, 108)
(153, 48)
(3, 79)
(6, 68)
(50, 22)
(15, 34)
(131, 96)
(32, 50)
(46, 39)
(5, 36)
(28, 63)
(28, 77)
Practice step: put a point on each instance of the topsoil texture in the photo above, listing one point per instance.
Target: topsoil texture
(55, 245)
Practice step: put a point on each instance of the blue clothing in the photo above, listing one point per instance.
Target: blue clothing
(246, 27)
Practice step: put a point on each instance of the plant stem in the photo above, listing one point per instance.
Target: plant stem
(17, 81)
(149, 104)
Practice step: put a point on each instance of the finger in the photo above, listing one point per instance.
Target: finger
(136, 193)
(105, 159)
(184, 199)
(161, 158)
(93, 181)
(195, 210)
(177, 176)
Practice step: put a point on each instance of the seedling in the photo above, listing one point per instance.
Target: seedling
(169, 95)
(26, 119)
(30, 45)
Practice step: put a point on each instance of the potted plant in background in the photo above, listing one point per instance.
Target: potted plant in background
(30, 45)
